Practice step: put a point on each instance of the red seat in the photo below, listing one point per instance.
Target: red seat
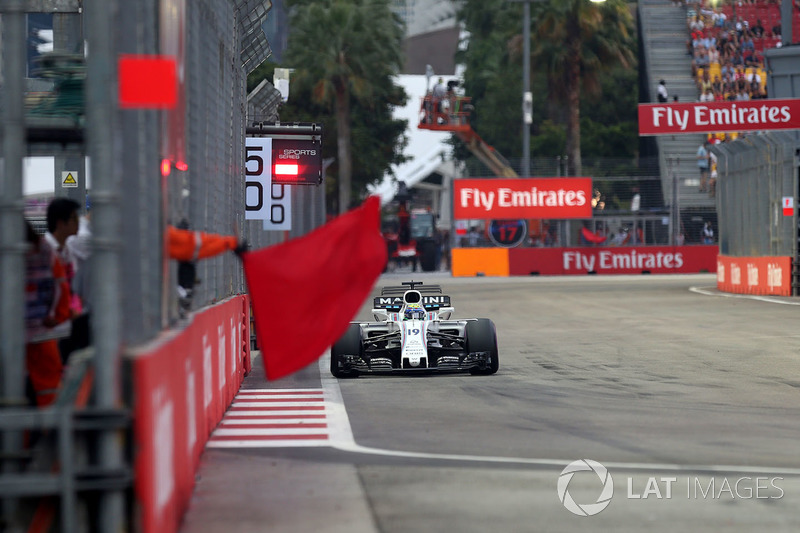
(728, 10)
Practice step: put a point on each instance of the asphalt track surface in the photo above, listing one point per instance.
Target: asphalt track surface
(690, 399)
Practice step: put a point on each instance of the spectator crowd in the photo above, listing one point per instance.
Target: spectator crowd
(727, 40)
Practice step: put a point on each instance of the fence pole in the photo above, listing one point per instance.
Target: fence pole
(105, 293)
(12, 244)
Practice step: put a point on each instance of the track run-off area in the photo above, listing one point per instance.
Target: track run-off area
(688, 399)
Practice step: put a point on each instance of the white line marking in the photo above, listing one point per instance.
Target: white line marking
(275, 404)
(265, 421)
(266, 443)
(706, 292)
(275, 398)
(273, 418)
(339, 430)
(276, 414)
(341, 438)
(279, 391)
(271, 432)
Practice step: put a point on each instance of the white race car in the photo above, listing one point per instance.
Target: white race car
(413, 332)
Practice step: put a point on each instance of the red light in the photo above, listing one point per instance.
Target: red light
(286, 169)
(166, 167)
(182, 166)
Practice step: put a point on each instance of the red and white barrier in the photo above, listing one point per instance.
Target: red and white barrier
(755, 275)
(182, 384)
(612, 260)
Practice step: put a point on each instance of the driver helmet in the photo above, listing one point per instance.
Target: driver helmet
(414, 312)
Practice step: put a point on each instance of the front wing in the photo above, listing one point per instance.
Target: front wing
(445, 351)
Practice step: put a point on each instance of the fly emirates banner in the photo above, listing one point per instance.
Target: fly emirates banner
(504, 198)
(717, 117)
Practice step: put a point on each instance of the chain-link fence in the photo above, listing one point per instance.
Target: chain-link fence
(150, 168)
(209, 195)
(757, 174)
(557, 166)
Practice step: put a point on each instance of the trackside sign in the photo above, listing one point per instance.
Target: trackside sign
(713, 117)
(522, 198)
(755, 275)
(612, 260)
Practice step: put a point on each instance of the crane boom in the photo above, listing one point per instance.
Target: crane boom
(454, 118)
(486, 153)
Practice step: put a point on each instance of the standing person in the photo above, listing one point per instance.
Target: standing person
(472, 237)
(446, 249)
(47, 298)
(708, 233)
(702, 164)
(663, 95)
(439, 95)
(437, 237)
(712, 181)
(69, 236)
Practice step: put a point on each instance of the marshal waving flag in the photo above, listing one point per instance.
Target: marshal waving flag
(306, 291)
(717, 117)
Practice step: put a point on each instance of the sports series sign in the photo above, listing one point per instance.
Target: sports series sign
(713, 117)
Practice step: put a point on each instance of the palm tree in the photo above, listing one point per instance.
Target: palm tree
(344, 49)
(574, 41)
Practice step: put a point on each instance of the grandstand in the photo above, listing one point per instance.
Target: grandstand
(669, 36)
(663, 34)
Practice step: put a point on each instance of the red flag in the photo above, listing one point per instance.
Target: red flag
(591, 237)
(306, 291)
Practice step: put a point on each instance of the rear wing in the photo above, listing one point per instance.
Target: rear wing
(399, 290)
(395, 303)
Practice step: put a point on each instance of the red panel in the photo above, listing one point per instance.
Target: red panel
(147, 82)
(181, 389)
(755, 275)
(612, 260)
(554, 198)
(713, 117)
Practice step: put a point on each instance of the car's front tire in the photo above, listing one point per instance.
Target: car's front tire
(348, 344)
(482, 337)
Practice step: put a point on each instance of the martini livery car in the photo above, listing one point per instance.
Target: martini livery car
(413, 332)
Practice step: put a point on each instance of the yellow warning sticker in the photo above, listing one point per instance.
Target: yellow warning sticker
(69, 179)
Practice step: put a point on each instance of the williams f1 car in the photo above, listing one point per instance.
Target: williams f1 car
(413, 332)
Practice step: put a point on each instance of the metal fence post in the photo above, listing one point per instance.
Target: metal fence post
(12, 245)
(105, 291)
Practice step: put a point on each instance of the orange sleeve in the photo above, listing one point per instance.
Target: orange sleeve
(187, 245)
(61, 307)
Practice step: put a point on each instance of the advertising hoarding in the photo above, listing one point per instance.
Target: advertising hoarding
(522, 198)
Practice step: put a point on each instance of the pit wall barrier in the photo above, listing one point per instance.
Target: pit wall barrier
(755, 275)
(182, 384)
(588, 260)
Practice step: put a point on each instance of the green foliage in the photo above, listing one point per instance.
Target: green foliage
(609, 120)
(344, 54)
(492, 79)
(372, 154)
(550, 141)
(608, 77)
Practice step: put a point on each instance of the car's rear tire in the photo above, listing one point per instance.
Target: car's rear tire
(482, 337)
(348, 344)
